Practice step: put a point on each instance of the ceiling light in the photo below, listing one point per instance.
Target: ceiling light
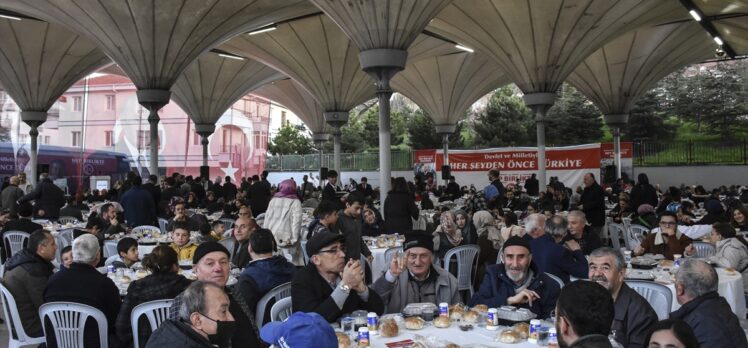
(695, 15)
(718, 40)
(10, 17)
(230, 56)
(263, 30)
(466, 49)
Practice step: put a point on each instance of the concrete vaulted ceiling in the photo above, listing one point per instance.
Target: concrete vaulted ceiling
(293, 96)
(446, 86)
(540, 42)
(730, 19)
(427, 46)
(317, 54)
(375, 24)
(39, 61)
(616, 75)
(209, 86)
(154, 41)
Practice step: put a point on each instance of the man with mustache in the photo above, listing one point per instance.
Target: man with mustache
(633, 314)
(517, 281)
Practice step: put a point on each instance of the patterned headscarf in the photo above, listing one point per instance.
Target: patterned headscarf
(287, 189)
(449, 227)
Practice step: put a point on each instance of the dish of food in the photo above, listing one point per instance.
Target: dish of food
(481, 308)
(522, 329)
(388, 328)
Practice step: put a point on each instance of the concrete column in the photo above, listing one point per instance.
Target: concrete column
(205, 130)
(34, 119)
(336, 150)
(540, 103)
(153, 100)
(382, 65)
(445, 130)
(336, 119)
(615, 122)
(319, 139)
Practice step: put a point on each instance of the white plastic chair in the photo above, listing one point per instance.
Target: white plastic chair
(110, 260)
(277, 293)
(632, 241)
(557, 279)
(659, 296)
(281, 310)
(68, 321)
(67, 219)
(15, 241)
(162, 223)
(639, 231)
(466, 255)
(615, 231)
(110, 249)
(227, 224)
(704, 250)
(155, 311)
(146, 229)
(13, 321)
(303, 249)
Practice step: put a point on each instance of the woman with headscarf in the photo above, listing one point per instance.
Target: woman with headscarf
(466, 227)
(283, 218)
(372, 222)
(447, 235)
(489, 241)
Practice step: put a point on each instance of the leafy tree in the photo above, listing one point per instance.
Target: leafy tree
(573, 119)
(647, 121)
(290, 140)
(422, 133)
(505, 121)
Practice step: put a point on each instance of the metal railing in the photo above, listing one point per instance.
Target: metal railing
(401, 160)
(690, 152)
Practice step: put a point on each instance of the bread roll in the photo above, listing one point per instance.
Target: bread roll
(509, 336)
(343, 340)
(456, 308)
(471, 316)
(442, 322)
(666, 263)
(455, 315)
(388, 328)
(451, 345)
(125, 280)
(414, 323)
(522, 329)
(481, 308)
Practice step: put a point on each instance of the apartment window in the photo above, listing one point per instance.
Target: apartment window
(144, 140)
(226, 141)
(77, 138)
(47, 139)
(24, 138)
(77, 103)
(110, 102)
(109, 138)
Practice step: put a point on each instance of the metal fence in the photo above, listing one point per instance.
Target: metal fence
(401, 160)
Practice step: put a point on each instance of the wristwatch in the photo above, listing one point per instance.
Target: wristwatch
(346, 289)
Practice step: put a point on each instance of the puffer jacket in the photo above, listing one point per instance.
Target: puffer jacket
(261, 276)
(712, 321)
(26, 275)
(283, 218)
(497, 287)
(173, 333)
(732, 253)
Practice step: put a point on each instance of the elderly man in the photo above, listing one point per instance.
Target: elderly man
(26, 274)
(580, 235)
(99, 291)
(211, 264)
(331, 285)
(583, 316)
(668, 240)
(702, 308)
(11, 195)
(203, 320)
(551, 257)
(592, 203)
(415, 279)
(633, 314)
(517, 281)
(237, 244)
(47, 197)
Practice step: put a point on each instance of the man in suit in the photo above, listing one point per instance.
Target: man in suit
(329, 193)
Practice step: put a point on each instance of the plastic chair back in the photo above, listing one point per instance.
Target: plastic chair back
(639, 231)
(227, 224)
(110, 249)
(146, 229)
(632, 241)
(281, 310)
(704, 250)
(68, 321)
(162, 223)
(155, 311)
(276, 294)
(658, 295)
(303, 249)
(13, 322)
(615, 231)
(466, 255)
(67, 220)
(557, 279)
(110, 260)
(15, 241)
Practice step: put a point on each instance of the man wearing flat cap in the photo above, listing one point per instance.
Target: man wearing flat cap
(414, 278)
(330, 285)
(517, 282)
(211, 264)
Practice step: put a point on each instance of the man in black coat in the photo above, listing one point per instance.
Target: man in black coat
(329, 193)
(330, 285)
(152, 187)
(259, 195)
(170, 191)
(47, 196)
(532, 186)
(593, 203)
(229, 190)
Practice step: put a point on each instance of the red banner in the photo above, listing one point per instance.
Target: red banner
(515, 159)
(627, 150)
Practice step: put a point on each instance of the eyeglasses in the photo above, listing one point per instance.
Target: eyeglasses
(333, 250)
(667, 223)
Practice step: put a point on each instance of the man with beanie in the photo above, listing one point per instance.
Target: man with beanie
(414, 279)
(517, 282)
(331, 285)
(211, 264)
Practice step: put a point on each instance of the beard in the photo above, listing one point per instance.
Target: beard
(516, 275)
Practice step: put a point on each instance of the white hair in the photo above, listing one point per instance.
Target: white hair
(533, 222)
(579, 214)
(85, 248)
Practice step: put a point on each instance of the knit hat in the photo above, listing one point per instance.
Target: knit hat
(418, 239)
(517, 241)
(207, 248)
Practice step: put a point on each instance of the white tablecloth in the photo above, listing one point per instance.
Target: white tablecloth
(730, 287)
(478, 337)
(378, 266)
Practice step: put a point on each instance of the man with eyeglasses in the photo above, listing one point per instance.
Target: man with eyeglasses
(414, 278)
(668, 240)
(329, 284)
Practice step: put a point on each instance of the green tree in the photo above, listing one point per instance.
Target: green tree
(290, 140)
(573, 119)
(505, 121)
(422, 134)
(647, 121)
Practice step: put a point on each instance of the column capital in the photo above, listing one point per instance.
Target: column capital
(446, 128)
(616, 120)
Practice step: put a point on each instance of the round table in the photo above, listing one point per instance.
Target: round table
(478, 337)
(110, 248)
